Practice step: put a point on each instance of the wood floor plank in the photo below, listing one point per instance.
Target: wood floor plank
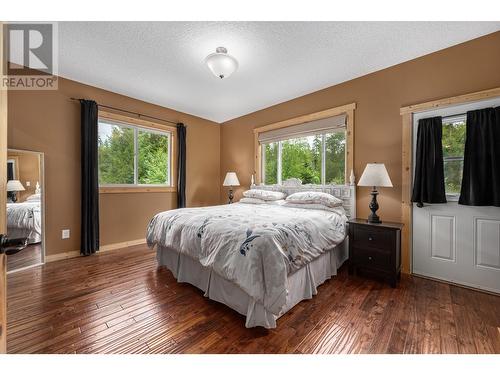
(122, 302)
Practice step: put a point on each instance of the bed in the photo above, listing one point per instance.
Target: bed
(25, 220)
(260, 260)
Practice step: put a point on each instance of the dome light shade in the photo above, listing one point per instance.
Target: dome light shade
(221, 64)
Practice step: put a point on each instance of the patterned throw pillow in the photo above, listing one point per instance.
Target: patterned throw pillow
(314, 197)
(264, 194)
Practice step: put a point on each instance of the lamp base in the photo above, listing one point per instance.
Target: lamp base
(231, 196)
(373, 217)
(373, 220)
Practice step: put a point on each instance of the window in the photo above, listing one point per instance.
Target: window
(132, 155)
(301, 158)
(453, 154)
(314, 159)
(270, 158)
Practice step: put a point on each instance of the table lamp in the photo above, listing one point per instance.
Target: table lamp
(231, 180)
(375, 175)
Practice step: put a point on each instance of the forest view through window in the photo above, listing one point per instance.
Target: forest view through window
(130, 155)
(314, 159)
(453, 154)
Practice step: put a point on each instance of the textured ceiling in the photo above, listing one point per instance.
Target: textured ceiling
(162, 62)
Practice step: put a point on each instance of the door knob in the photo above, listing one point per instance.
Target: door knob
(11, 246)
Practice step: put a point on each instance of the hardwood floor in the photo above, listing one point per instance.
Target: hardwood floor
(27, 257)
(121, 302)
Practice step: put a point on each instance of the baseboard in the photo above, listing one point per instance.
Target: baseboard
(119, 245)
(61, 256)
(102, 249)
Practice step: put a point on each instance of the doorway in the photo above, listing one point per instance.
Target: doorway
(451, 242)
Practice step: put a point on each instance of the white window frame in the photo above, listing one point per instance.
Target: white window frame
(450, 120)
(136, 130)
(323, 158)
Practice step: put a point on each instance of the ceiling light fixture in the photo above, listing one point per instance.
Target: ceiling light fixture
(221, 64)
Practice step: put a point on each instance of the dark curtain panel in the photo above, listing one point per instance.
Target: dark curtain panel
(429, 171)
(10, 171)
(90, 184)
(481, 176)
(181, 166)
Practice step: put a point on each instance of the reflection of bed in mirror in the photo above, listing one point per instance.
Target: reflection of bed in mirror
(24, 219)
(24, 206)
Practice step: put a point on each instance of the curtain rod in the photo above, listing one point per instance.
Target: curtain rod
(456, 115)
(133, 113)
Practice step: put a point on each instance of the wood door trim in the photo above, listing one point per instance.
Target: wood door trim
(407, 160)
(454, 100)
(3, 201)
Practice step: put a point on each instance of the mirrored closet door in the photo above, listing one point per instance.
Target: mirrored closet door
(25, 206)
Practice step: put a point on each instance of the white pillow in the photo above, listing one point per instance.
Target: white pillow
(314, 206)
(252, 200)
(261, 201)
(314, 197)
(33, 198)
(264, 194)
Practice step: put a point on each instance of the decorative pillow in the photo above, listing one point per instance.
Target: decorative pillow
(33, 198)
(261, 201)
(314, 206)
(314, 197)
(264, 194)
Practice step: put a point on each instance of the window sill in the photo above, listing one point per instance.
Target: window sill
(136, 189)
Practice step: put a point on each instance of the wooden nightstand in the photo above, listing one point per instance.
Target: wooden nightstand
(376, 248)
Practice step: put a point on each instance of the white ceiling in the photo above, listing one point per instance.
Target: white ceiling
(162, 62)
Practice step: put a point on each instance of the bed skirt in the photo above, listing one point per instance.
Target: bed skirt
(301, 284)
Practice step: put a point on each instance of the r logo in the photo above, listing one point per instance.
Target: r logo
(30, 48)
(30, 56)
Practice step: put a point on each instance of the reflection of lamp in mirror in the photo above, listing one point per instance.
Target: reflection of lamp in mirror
(13, 186)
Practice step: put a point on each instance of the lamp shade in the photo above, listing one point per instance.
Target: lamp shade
(15, 185)
(375, 174)
(231, 179)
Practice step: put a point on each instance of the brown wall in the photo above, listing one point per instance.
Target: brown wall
(468, 67)
(29, 170)
(49, 122)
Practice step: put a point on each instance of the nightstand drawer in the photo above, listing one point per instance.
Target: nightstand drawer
(373, 238)
(371, 257)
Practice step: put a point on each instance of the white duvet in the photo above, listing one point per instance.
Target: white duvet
(253, 246)
(25, 219)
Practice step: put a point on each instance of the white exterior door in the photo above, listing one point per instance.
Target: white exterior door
(456, 243)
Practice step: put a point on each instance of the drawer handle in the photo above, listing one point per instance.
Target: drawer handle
(369, 258)
(370, 239)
